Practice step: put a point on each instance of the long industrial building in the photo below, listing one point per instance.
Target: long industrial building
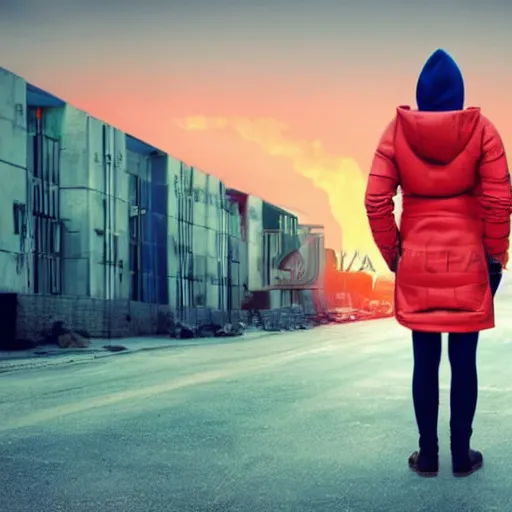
(111, 235)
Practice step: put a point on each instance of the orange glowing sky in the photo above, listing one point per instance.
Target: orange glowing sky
(283, 99)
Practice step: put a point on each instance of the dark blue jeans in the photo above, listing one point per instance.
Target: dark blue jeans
(462, 350)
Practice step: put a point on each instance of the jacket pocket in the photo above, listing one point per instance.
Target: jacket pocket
(471, 297)
(410, 299)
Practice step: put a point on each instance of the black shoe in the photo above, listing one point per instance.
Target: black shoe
(467, 465)
(423, 464)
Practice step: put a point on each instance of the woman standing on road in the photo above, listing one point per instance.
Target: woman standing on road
(451, 247)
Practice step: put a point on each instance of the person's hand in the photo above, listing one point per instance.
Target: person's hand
(494, 265)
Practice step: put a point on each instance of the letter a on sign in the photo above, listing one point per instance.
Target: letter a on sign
(367, 265)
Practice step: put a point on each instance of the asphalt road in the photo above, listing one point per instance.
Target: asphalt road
(313, 421)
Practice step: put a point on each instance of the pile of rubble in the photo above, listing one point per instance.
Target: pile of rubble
(283, 319)
(63, 337)
(372, 310)
(182, 330)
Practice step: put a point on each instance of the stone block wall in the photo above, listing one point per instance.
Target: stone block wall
(103, 318)
(118, 318)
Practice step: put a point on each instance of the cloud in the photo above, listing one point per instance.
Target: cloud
(340, 177)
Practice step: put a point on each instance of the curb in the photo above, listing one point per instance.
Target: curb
(57, 360)
(224, 341)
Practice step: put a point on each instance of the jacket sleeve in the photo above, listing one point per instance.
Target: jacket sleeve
(381, 188)
(496, 195)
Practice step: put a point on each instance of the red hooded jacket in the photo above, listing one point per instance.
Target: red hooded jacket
(456, 209)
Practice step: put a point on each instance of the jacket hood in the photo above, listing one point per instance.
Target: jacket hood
(440, 85)
(438, 137)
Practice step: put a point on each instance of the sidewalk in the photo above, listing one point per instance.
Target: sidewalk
(51, 355)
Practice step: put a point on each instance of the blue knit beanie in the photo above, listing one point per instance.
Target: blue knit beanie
(440, 85)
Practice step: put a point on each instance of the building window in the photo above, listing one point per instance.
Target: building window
(47, 225)
(136, 282)
(18, 215)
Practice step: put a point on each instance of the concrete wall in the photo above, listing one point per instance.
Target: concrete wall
(203, 242)
(104, 318)
(198, 239)
(14, 262)
(93, 201)
(173, 233)
(255, 242)
(74, 201)
(217, 232)
(237, 262)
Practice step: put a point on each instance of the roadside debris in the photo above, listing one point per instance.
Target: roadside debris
(236, 329)
(63, 337)
(181, 330)
(114, 348)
